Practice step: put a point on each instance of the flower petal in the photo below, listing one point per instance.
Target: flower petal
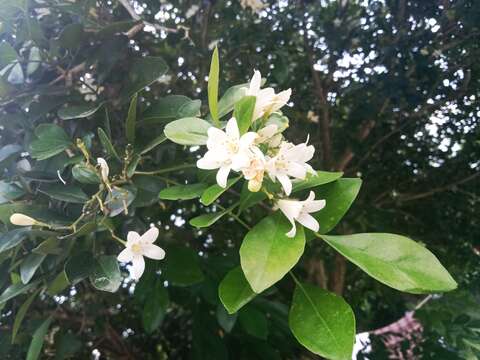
(150, 235)
(290, 208)
(208, 162)
(308, 221)
(222, 176)
(153, 252)
(138, 267)
(125, 255)
(255, 83)
(132, 238)
(215, 137)
(247, 139)
(297, 170)
(292, 231)
(232, 129)
(286, 183)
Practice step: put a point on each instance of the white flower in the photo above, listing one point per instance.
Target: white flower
(267, 101)
(255, 5)
(139, 246)
(255, 169)
(22, 220)
(269, 135)
(290, 161)
(227, 150)
(104, 169)
(300, 211)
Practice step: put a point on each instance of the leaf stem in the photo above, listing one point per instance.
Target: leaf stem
(166, 170)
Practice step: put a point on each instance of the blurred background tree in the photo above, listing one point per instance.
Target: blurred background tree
(388, 91)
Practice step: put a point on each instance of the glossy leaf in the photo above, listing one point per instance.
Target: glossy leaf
(15, 290)
(267, 254)
(107, 144)
(322, 177)
(155, 308)
(131, 120)
(167, 108)
(153, 144)
(243, 113)
(80, 266)
(9, 192)
(29, 266)
(213, 79)
(85, 174)
(12, 238)
(143, 72)
(78, 111)
(254, 322)
(183, 192)
(188, 131)
(213, 192)
(394, 260)
(37, 340)
(230, 98)
(235, 291)
(20, 315)
(106, 274)
(322, 322)
(119, 199)
(207, 220)
(339, 196)
(51, 140)
(67, 193)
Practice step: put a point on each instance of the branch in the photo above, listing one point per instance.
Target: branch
(432, 192)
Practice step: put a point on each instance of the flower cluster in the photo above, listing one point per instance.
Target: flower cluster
(256, 154)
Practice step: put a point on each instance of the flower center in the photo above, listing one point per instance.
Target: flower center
(136, 248)
(232, 147)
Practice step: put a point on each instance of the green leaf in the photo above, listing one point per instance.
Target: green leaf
(143, 72)
(7, 54)
(234, 291)
(50, 246)
(213, 192)
(34, 60)
(169, 108)
(119, 199)
(37, 340)
(12, 238)
(9, 150)
(30, 265)
(322, 322)
(394, 260)
(58, 284)
(107, 144)
(254, 322)
(153, 144)
(189, 109)
(243, 113)
(213, 79)
(155, 308)
(80, 266)
(85, 174)
(230, 98)
(69, 193)
(132, 165)
(131, 120)
(9, 192)
(188, 131)
(181, 267)
(182, 192)
(267, 254)
(21, 314)
(207, 220)
(106, 274)
(15, 290)
(322, 177)
(339, 196)
(78, 111)
(225, 320)
(71, 36)
(51, 140)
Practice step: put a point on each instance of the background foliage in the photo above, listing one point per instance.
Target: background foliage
(387, 91)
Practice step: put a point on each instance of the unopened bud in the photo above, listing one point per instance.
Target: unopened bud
(22, 220)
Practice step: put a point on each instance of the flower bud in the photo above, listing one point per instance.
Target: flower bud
(22, 220)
